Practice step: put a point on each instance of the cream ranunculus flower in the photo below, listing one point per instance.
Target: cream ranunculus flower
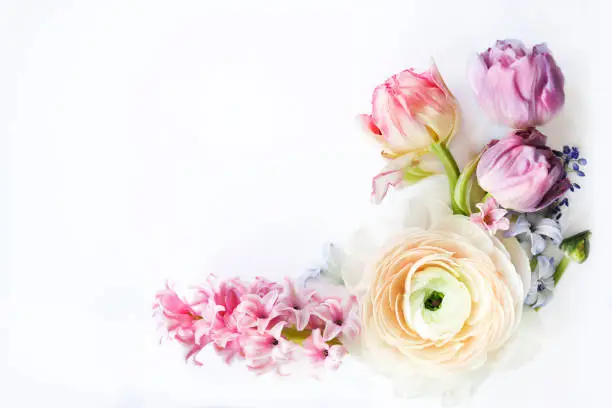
(440, 296)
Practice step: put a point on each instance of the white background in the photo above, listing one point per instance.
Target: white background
(144, 141)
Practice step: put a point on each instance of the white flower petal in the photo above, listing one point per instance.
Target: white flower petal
(484, 281)
(520, 260)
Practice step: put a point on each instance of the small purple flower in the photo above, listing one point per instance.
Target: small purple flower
(542, 283)
(573, 163)
(535, 229)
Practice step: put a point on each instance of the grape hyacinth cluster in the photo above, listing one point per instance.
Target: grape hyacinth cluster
(573, 164)
(267, 324)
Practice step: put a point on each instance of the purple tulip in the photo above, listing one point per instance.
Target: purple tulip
(521, 172)
(516, 87)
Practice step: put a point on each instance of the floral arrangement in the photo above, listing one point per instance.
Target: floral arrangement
(434, 292)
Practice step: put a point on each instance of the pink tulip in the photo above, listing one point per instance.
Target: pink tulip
(521, 172)
(518, 87)
(403, 105)
(402, 109)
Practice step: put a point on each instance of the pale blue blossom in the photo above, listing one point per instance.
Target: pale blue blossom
(535, 229)
(542, 283)
(328, 267)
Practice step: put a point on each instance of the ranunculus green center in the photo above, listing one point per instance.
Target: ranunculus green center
(434, 300)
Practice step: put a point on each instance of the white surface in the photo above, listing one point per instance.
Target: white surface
(142, 141)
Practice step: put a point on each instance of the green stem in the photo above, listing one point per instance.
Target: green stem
(561, 268)
(451, 169)
(415, 174)
(298, 337)
(565, 261)
(462, 191)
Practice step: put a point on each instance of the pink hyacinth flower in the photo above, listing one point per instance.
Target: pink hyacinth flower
(297, 304)
(340, 318)
(217, 300)
(491, 218)
(262, 286)
(258, 312)
(226, 293)
(321, 353)
(228, 339)
(209, 322)
(180, 320)
(179, 316)
(267, 351)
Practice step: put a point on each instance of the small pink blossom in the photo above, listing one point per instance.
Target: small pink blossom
(262, 286)
(340, 318)
(256, 311)
(179, 316)
(298, 304)
(228, 338)
(180, 320)
(228, 341)
(218, 300)
(491, 218)
(321, 353)
(209, 322)
(226, 293)
(267, 351)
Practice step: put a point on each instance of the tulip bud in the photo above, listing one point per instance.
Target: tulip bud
(404, 106)
(410, 112)
(521, 172)
(518, 87)
(577, 246)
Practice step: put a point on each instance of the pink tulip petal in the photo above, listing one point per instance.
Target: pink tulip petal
(518, 87)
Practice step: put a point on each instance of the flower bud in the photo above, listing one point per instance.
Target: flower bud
(404, 106)
(521, 172)
(577, 246)
(516, 86)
